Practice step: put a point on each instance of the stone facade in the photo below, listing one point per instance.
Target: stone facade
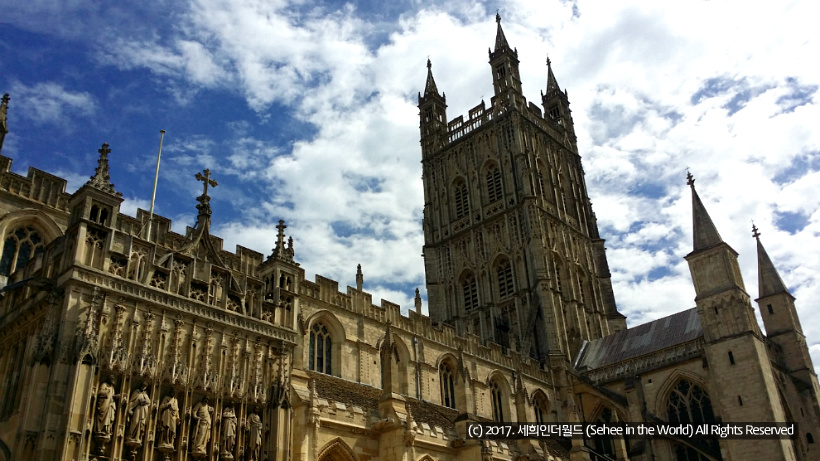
(121, 339)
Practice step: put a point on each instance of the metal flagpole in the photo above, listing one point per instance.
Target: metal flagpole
(154, 194)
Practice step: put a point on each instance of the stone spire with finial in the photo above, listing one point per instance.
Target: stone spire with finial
(768, 279)
(704, 232)
(359, 278)
(281, 251)
(4, 128)
(102, 178)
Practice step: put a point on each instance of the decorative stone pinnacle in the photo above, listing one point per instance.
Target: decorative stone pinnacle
(204, 200)
(497, 17)
(280, 250)
(102, 179)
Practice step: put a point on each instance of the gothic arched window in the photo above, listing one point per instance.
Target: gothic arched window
(541, 407)
(469, 288)
(448, 394)
(20, 246)
(605, 444)
(497, 400)
(460, 199)
(504, 274)
(689, 404)
(494, 189)
(320, 347)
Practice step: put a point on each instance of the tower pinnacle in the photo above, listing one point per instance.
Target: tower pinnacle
(768, 279)
(4, 128)
(102, 179)
(500, 38)
(704, 232)
(430, 86)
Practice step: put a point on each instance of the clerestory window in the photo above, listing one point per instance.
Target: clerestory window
(320, 348)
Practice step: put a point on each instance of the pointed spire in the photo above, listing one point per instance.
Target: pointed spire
(359, 277)
(4, 128)
(102, 179)
(704, 232)
(768, 279)
(552, 83)
(417, 302)
(500, 39)
(430, 87)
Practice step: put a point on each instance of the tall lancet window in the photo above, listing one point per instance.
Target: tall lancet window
(320, 349)
(469, 287)
(460, 199)
(494, 189)
(504, 273)
(448, 394)
(497, 400)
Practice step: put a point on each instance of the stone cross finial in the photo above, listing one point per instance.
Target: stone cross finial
(205, 177)
(204, 200)
(755, 232)
(690, 180)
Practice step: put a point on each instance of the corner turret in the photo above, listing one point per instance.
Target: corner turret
(432, 115)
(506, 77)
(556, 103)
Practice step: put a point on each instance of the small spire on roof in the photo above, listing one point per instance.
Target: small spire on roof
(102, 179)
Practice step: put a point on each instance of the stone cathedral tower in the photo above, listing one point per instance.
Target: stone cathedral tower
(512, 251)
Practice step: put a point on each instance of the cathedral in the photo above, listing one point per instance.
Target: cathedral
(121, 339)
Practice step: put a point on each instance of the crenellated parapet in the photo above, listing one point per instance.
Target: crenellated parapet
(37, 187)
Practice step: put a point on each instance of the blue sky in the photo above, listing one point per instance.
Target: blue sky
(306, 112)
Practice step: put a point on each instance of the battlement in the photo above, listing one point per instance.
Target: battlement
(360, 302)
(37, 185)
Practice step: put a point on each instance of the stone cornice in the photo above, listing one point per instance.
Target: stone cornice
(178, 303)
(659, 359)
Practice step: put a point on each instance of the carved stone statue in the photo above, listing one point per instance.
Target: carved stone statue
(106, 409)
(228, 434)
(254, 435)
(168, 421)
(202, 427)
(138, 409)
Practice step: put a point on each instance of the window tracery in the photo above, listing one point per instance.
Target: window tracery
(460, 199)
(494, 188)
(497, 401)
(469, 289)
(20, 246)
(321, 344)
(448, 396)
